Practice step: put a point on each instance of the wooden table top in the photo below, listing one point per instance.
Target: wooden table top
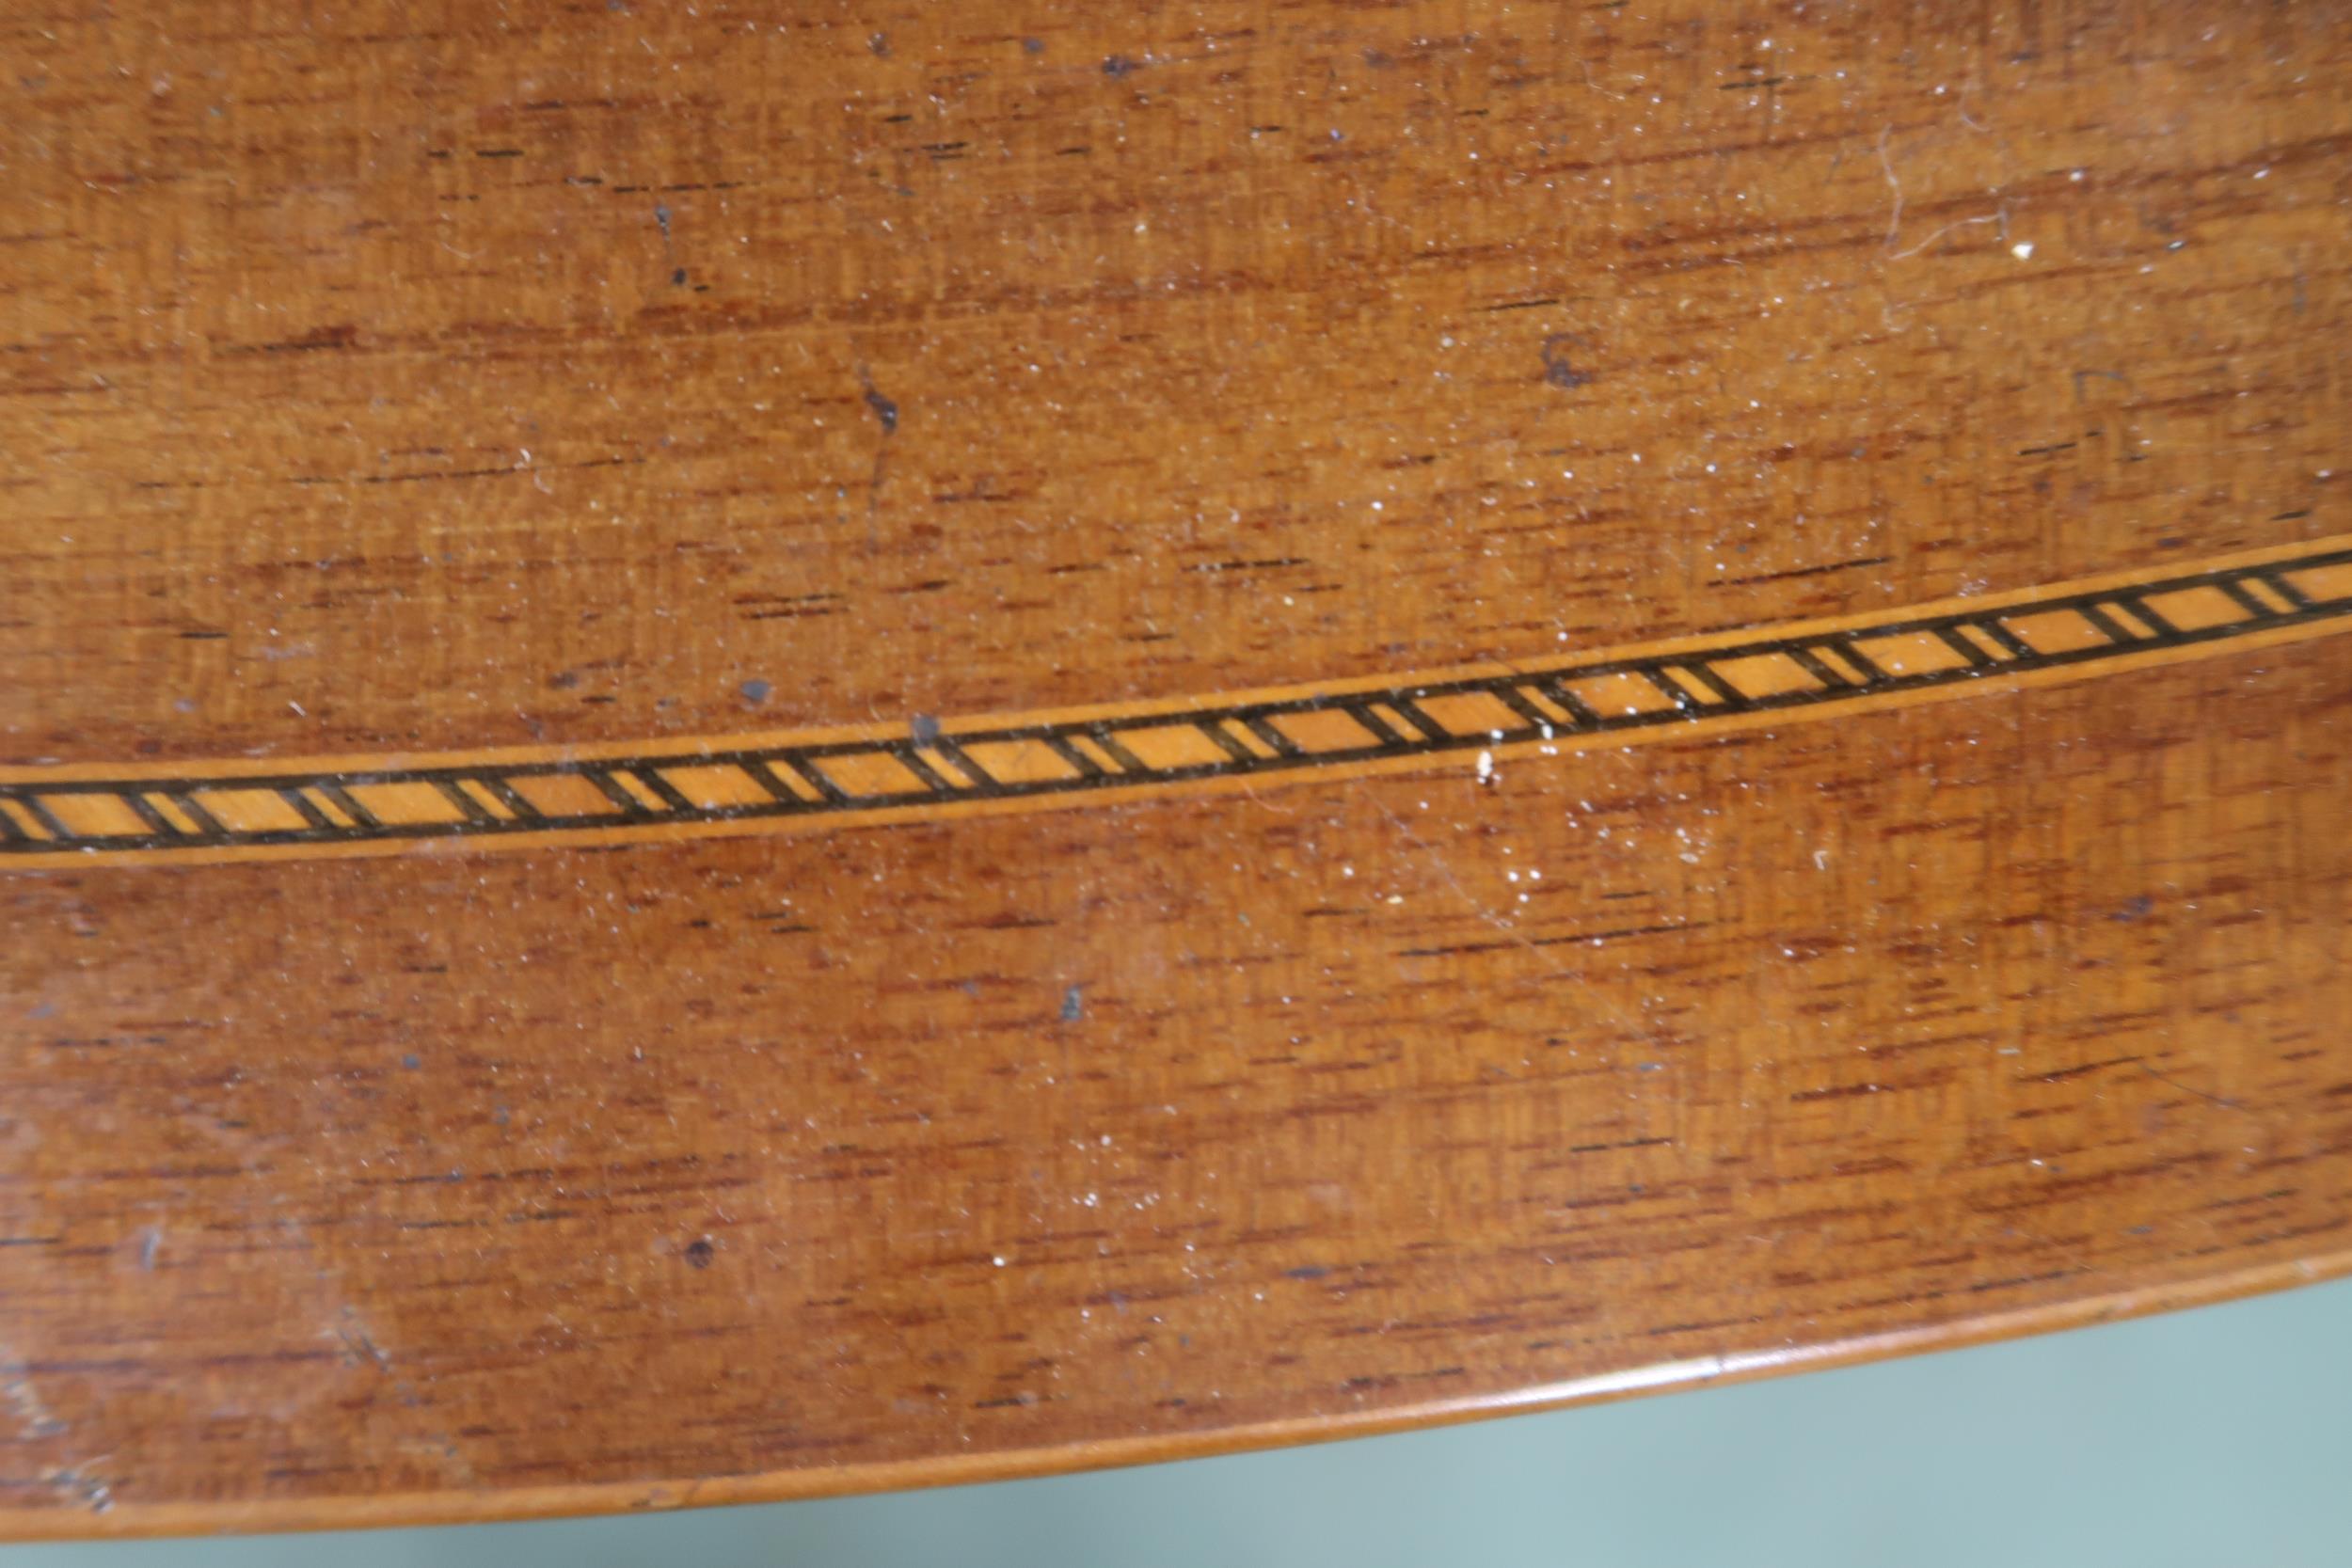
(758, 750)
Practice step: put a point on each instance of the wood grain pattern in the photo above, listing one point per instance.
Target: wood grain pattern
(406, 381)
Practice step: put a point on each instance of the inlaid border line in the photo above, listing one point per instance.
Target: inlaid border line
(332, 805)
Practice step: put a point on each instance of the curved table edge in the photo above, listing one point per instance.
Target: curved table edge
(456, 1506)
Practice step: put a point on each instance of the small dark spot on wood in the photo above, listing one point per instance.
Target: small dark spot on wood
(1074, 1005)
(755, 690)
(564, 680)
(661, 217)
(1379, 60)
(2136, 909)
(412, 1061)
(884, 410)
(924, 728)
(678, 276)
(1558, 370)
(879, 44)
(1118, 67)
(1310, 1272)
(699, 1252)
(1033, 46)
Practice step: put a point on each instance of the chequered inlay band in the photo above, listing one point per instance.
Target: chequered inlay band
(919, 769)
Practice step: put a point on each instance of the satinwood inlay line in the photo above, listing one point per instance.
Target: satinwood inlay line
(736, 784)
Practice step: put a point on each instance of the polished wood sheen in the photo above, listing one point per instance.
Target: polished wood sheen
(758, 750)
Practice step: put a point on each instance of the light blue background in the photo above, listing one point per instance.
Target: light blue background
(2217, 1437)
